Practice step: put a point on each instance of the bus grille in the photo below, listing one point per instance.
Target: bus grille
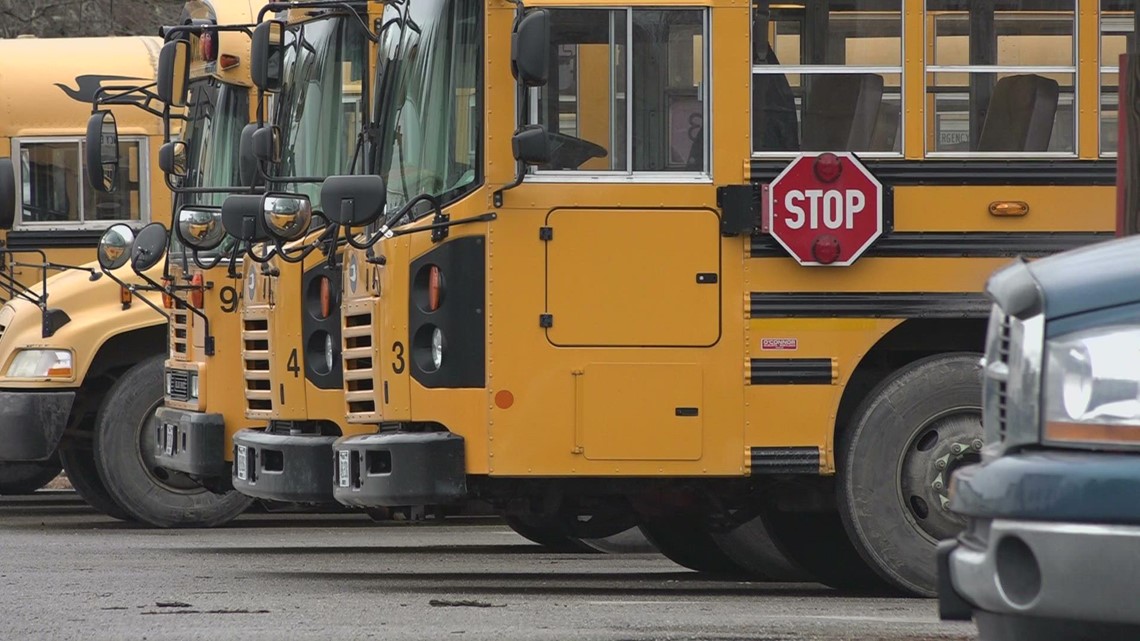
(359, 372)
(255, 366)
(180, 334)
(178, 385)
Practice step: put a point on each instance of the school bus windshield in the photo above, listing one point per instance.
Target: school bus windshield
(319, 113)
(428, 111)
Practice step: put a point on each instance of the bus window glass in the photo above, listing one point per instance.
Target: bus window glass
(55, 191)
(1117, 18)
(827, 76)
(1001, 76)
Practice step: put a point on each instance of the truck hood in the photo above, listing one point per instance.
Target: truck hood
(1100, 276)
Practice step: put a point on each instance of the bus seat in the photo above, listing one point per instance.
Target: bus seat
(774, 123)
(886, 127)
(1020, 114)
(840, 111)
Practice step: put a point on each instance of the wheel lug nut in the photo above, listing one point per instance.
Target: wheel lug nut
(940, 464)
(937, 485)
(956, 448)
(977, 444)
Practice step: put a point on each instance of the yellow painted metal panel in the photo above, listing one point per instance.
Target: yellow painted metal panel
(639, 411)
(612, 281)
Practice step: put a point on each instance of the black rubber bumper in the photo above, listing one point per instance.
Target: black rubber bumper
(32, 423)
(400, 469)
(951, 605)
(283, 467)
(191, 442)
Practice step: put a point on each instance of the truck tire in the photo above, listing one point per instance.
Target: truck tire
(752, 547)
(817, 542)
(895, 461)
(688, 544)
(549, 536)
(124, 455)
(79, 463)
(25, 478)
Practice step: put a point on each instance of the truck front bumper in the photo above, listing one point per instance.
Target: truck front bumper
(1025, 554)
(399, 469)
(193, 443)
(32, 423)
(284, 467)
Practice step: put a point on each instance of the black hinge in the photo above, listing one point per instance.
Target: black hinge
(440, 233)
(546, 320)
(546, 233)
(740, 209)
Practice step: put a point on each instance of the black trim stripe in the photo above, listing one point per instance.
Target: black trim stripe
(966, 244)
(971, 172)
(785, 460)
(869, 305)
(790, 371)
(18, 240)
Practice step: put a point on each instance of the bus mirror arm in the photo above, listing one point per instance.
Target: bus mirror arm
(135, 288)
(481, 218)
(173, 291)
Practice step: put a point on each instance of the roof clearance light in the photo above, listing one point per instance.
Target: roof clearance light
(827, 167)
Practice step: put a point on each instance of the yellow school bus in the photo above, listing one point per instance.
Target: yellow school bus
(289, 356)
(614, 317)
(185, 482)
(65, 333)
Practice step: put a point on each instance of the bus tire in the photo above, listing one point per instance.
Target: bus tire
(25, 478)
(124, 455)
(548, 535)
(687, 543)
(817, 542)
(752, 547)
(895, 462)
(79, 463)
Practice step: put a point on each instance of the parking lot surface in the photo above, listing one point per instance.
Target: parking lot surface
(69, 573)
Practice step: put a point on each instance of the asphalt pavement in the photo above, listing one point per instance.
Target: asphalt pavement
(69, 573)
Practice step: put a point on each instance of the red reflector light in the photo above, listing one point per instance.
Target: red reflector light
(825, 249)
(228, 61)
(207, 46)
(827, 167)
(125, 297)
(167, 299)
(198, 294)
(435, 286)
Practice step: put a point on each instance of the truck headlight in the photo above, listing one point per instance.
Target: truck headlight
(1091, 390)
(41, 363)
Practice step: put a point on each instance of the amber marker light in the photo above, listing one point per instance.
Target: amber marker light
(167, 298)
(326, 297)
(228, 61)
(1009, 208)
(1091, 433)
(435, 288)
(504, 399)
(125, 296)
(198, 294)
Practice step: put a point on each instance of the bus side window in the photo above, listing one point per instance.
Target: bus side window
(827, 75)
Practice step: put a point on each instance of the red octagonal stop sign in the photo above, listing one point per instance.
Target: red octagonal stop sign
(825, 209)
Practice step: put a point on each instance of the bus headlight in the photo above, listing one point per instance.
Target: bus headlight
(41, 363)
(286, 216)
(1092, 387)
(329, 353)
(437, 347)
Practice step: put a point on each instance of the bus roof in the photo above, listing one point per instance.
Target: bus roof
(47, 84)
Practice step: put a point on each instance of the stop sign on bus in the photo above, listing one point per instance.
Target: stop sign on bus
(825, 209)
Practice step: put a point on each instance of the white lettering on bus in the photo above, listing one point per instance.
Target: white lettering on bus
(836, 208)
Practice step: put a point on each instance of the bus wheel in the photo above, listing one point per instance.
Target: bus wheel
(25, 478)
(124, 454)
(687, 543)
(549, 535)
(752, 547)
(79, 463)
(631, 541)
(895, 463)
(817, 542)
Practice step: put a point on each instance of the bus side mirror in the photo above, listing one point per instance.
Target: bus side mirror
(173, 80)
(530, 49)
(353, 201)
(149, 247)
(241, 218)
(247, 160)
(531, 145)
(8, 194)
(267, 144)
(172, 159)
(102, 151)
(267, 55)
(114, 249)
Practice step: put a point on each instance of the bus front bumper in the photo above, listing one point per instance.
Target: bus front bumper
(1045, 540)
(400, 469)
(284, 467)
(193, 443)
(32, 423)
